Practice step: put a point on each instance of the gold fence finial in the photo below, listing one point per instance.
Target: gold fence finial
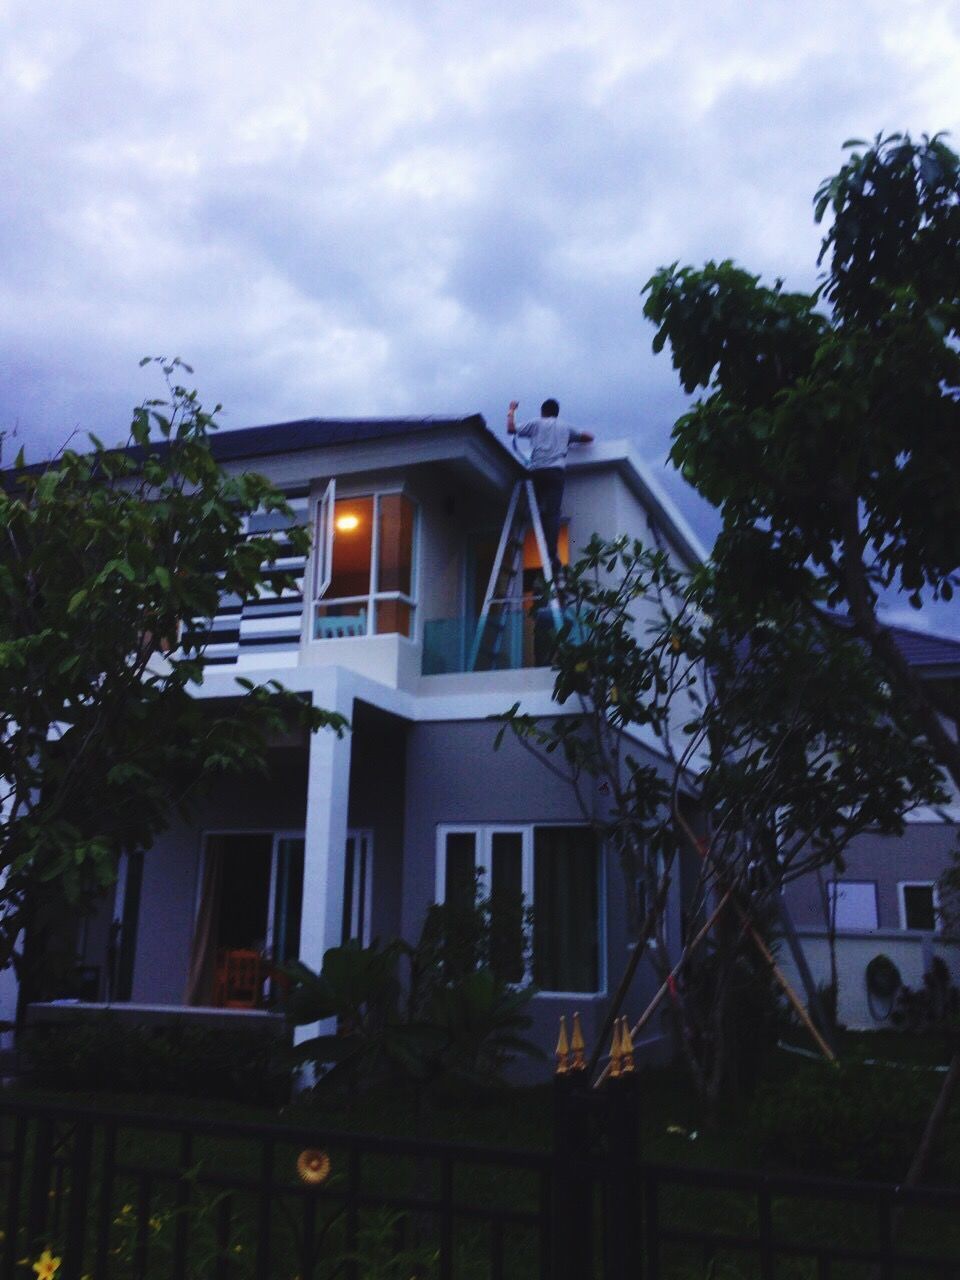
(627, 1062)
(616, 1052)
(578, 1046)
(563, 1049)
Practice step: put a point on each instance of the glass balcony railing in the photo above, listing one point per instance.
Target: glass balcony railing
(512, 638)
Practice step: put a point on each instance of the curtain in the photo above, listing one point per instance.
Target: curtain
(566, 953)
(203, 956)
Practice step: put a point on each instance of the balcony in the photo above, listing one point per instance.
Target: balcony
(513, 638)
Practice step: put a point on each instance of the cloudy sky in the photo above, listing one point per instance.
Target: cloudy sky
(415, 206)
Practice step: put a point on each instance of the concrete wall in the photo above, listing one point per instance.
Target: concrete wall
(455, 776)
(910, 952)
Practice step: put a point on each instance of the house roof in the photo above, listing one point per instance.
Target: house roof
(315, 433)
(924, 650)
(292, 437)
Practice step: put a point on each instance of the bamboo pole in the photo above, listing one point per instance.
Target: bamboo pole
(795, 1001)
(655, 1002)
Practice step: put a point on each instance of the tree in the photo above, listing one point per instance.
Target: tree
(779, 734)
(828, 429)
(105, 559)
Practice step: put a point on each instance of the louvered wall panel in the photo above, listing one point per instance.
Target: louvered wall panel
(270, 624)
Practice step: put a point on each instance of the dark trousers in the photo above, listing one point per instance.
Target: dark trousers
(548, 487)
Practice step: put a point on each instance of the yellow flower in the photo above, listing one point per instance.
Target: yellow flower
(46, 1265)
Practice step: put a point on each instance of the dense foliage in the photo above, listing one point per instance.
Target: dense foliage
(437, 1012)
(777, 742)
(105, 557)
(828, 431)
(854, 1120)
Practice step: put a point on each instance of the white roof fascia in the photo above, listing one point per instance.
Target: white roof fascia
(480, 456)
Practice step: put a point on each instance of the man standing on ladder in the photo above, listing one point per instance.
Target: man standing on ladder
(549, 441)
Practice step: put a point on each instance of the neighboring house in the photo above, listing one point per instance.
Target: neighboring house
(887, 899)
(355, 837)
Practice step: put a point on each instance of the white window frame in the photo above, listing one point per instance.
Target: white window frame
(323, 540)
(902, 903)
(322, 562)
(484, 833)
(833, 885)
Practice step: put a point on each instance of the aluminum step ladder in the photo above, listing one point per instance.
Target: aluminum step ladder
(506, 573)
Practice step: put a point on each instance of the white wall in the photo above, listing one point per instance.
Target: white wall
(910, 952)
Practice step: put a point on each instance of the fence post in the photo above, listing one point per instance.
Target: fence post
(621, 1124)
(572, 1209)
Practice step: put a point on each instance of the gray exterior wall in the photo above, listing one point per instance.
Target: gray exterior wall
(923, 852)
(171, 869)
(455, 776)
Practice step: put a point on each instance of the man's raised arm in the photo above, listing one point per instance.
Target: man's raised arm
(512, 417)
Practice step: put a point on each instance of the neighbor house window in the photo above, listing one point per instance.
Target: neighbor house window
(919, 905)
(853, 903)
(363, 565)
(555, 872)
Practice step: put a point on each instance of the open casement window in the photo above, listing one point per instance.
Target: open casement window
(365, 572)
(553, 870)
(919, 905)
(323, 541)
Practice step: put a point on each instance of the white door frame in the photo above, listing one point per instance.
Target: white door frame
(362, 886)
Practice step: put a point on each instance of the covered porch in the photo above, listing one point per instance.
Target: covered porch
(268, 869)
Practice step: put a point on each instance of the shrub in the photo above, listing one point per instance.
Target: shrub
(933, 1006)
(852, 1120)
(102, 1055)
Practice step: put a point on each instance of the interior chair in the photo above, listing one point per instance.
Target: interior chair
(239, 979)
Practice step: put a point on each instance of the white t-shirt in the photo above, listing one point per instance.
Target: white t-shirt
(550, 439)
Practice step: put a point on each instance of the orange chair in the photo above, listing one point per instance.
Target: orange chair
(239, 980)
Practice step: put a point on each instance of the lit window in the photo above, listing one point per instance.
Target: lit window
(364, 570)
(918, 905)
(555, 871)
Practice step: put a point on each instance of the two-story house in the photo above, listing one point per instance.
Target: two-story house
(355, 837)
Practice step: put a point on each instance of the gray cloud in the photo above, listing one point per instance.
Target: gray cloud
(415, 206)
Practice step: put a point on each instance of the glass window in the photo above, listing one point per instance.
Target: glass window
(565, 909)
(461, 868)
(553, 871)
(919, 906)
(395, 569)
(506, 905)
(368, 586)
(394, 617)
(352, 548)
(853, 903)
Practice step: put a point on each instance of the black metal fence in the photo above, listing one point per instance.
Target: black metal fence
(137, 1197)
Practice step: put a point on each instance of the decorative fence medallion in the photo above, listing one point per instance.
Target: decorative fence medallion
(313, 1166)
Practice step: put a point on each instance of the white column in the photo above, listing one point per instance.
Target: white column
(325, 846)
